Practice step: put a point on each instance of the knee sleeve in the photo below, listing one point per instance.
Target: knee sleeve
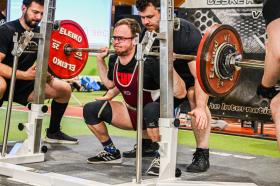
(97, 111)
(151, 114)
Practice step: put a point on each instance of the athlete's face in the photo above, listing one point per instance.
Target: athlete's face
(33, 14)
(123, 40)
(150, 18)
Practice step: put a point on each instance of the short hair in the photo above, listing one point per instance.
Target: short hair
(141, 5)
(27, 3)
(131, 23)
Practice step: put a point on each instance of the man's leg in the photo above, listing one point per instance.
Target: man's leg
(151, 114)
(275, 109)
(60, 91)
(200, 161)
(3, 87)
(272, 70)
(115, 113)
(272, 57)
(148, 146)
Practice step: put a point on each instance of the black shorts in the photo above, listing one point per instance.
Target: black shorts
(189, 82)
(271, 10)
(22, 91)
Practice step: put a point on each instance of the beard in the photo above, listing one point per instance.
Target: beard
(121, 53)
(30, 23)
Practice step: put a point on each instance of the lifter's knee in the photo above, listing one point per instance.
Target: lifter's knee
(66, 89)
(97, 111)
(151, 114)
(62, 90)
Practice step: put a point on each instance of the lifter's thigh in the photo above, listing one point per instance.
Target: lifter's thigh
(120, 116)
(273, 30)
(56, 89)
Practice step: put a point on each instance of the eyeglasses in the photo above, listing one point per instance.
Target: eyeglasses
(120, 39)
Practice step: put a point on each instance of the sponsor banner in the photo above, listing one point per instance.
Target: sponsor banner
(243, 112)
(248, 21)
(219, 4)
(246, 17)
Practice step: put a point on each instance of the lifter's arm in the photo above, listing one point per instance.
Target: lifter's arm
(179, 87)
(110, 94)
(201, 99)
(103, 69)
(6, 71)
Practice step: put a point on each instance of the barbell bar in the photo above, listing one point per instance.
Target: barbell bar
(69, 49)
(244, 63)
(218, 60)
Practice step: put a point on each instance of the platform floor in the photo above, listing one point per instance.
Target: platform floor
(225, 167)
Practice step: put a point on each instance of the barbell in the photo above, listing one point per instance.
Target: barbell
(218, 60)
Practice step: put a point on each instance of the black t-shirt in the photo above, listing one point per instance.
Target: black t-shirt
(185, 41)
(151, 71)
(2, 18)
(26, 60)
(271, 10)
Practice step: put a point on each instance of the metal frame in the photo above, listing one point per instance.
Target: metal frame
(30, 150)
(140, 61)
(8, 8)
(168, 132)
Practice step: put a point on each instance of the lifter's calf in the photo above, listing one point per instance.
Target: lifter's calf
(100, 131)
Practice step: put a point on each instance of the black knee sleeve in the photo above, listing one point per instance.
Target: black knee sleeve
(97, 111)
(267, 92)
(151, 114)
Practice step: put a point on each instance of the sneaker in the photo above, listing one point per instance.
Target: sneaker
(147, 151)
(200, 161)
(106, 157)
(153, 170)
(60, 138)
